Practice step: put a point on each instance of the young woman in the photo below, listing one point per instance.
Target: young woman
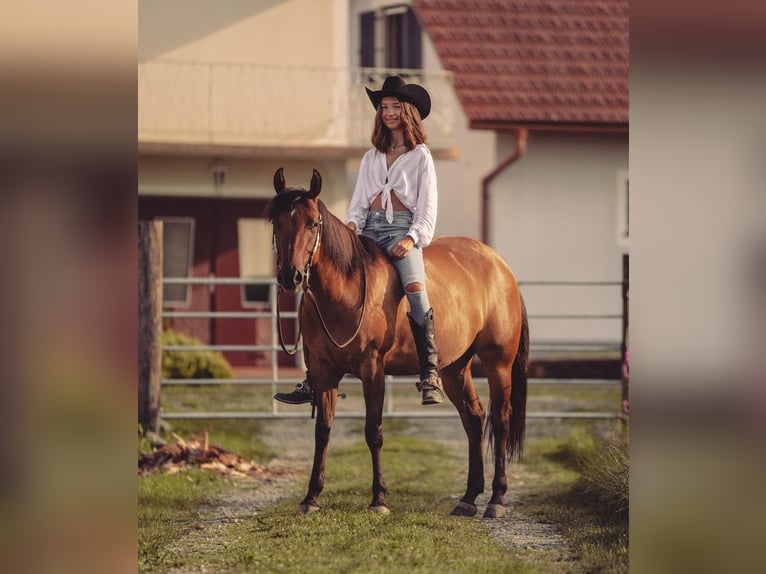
(394, 203)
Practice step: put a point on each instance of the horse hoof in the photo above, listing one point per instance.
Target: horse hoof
(307, 509)
(379, 509)
(494, 511)
(464, 509)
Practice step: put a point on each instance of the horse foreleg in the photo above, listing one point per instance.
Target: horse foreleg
(374, 394)
(326, 401)
(460, 390)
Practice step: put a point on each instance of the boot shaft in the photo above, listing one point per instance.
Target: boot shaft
(425, 342)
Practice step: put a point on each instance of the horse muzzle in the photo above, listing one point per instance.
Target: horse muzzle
(290, 278)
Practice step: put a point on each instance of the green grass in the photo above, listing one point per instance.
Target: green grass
(418, 536)
(344, 540)
(585, 489)
(167, 509)
(404, 397)
(576, 479)
(578, 398)
(219, 397)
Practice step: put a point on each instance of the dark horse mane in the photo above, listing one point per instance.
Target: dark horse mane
(344, 249)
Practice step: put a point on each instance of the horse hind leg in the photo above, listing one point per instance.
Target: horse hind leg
(498, 371)
(459, 387)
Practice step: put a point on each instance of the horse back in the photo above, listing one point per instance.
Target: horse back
(468, 266)
(471, 289)
(474, 295)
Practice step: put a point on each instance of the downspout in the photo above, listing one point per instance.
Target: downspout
(521, 148)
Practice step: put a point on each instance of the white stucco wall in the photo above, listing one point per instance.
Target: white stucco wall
(192, 177)
(460, 179)
(251, 32)
(553, 216)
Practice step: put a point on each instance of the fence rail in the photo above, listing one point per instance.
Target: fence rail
(274, 348)
(539, 345)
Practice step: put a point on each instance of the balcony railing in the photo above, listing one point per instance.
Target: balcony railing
(258, 105)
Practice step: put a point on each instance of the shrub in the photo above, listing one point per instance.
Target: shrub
(192, 364)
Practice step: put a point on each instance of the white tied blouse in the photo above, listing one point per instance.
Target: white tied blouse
(412, 178)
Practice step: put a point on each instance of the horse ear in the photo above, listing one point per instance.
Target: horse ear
(316, 184)
(279, 180)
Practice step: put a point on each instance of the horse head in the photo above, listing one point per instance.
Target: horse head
(297, 226)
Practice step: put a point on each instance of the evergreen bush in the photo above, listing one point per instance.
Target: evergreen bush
(192, 364)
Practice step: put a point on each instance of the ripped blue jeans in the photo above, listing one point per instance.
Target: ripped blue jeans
(411, 268)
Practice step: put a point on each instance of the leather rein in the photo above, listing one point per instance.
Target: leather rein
(307, 290)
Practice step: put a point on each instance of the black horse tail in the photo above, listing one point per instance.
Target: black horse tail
(519, 372)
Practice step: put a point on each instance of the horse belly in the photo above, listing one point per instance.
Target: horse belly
(454, 335)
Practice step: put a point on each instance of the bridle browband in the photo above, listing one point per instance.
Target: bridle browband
(307, 290)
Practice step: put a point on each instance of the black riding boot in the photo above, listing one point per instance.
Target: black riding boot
(302, 393)
(430, 383)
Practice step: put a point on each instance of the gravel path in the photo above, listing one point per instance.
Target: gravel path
(293, 440)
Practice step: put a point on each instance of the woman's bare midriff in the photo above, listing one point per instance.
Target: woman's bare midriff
(377, 203)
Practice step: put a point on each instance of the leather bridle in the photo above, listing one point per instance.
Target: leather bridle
(307, 290)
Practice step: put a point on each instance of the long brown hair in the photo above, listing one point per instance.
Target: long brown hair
(412, 128)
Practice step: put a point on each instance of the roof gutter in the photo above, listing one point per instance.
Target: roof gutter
(521, 148)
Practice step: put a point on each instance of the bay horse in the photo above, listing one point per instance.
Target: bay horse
(353, 319)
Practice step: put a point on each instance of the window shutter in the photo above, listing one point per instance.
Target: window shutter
(367, 40)
(411, 38)
(394, 57)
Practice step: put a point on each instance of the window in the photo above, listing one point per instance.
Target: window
(177, 250)
(390, 38)
(256, 259)
(623, 208)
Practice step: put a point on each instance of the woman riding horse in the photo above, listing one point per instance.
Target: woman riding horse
(347, 277)
(395, 203)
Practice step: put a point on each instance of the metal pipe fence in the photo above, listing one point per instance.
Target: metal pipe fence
(274, 348)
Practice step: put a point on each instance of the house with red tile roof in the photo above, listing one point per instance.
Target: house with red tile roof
(528, 130)
(549, 79)
(535, 64)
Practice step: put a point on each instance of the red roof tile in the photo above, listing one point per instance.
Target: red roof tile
(549, 63)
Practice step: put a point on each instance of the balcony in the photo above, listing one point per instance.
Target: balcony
(188, 105)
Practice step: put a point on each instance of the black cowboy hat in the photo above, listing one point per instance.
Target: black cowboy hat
(412, 93)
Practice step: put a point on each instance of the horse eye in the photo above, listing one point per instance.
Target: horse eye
(313, 225)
